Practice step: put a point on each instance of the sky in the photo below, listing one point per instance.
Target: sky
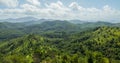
(91, 10)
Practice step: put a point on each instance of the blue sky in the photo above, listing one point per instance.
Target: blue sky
(90, 3)
(93, 10)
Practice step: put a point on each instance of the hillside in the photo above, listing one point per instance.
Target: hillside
(52, 26)
(11, 30)
(103, 39)
(91, 46)
(25, 49)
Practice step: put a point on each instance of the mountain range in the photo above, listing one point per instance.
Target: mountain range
(57, 41)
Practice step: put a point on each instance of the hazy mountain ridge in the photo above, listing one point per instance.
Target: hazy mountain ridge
(40, 20)
(47, 26)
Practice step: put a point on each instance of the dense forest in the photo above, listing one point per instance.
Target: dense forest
(60, 42)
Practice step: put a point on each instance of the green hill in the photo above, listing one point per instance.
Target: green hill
(25, 49)
(59, 42)
(51, 26)
(102, 39)
(98, 45)
(12, 30)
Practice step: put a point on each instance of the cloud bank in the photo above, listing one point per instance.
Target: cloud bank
(57, 10)
(9, 3)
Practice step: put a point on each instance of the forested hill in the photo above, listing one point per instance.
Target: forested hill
(50, 26)
(11, 30)
(97, 45)
(103, 39)
(26, 49)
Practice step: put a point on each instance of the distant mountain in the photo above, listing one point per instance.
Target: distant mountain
(9, 25)
(17, 20)
(11, 30)
(34, 22)
(95, 24)
(52, 26)
(77, 21)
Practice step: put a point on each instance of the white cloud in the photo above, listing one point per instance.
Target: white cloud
(58, 10)
(34, 2)
(74, 6)
(9, 3)
(28, 7)
(107, 7)
(105, 14)
(58, 7)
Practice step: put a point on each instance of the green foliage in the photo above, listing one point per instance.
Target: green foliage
(53, 42)
(16, 59)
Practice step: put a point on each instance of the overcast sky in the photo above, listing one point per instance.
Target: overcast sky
(94, 10)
